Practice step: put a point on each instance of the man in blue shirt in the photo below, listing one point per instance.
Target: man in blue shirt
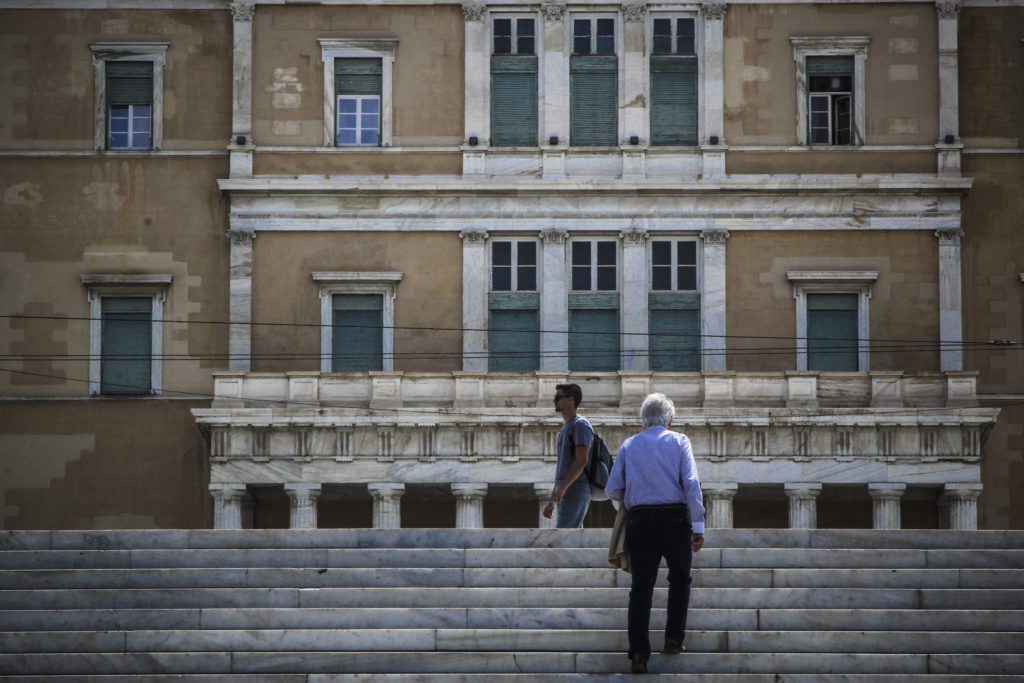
(572, 490)
(655, 475)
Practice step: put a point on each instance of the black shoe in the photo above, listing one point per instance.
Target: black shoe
(673, 647)
(638, 663)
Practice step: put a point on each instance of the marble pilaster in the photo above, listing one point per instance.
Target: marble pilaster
(387, 502)
(719, 499)
(302, 505)
(962, 500)
(713, 97)
(635, 112)
(803, 505)
(240, 328)
(885, 504)
(712, 306)
(227, 505)
(949, 102)
(554, 120)
(951, 356)
(635, 286)
(543, 493)
(469, 505)
(241, 145)
(477, 73)
(554, 303)
(474, 300)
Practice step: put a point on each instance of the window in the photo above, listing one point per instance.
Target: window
(832, 319)
(357, 89)
(673, 64)
(594, 341)
(129, 95)
(594, 83)
(513, 266)
(357, 311)
(830, 100)
(514, 307)
(126, 333)
(674, 307)
(594, 265)
(514, 109)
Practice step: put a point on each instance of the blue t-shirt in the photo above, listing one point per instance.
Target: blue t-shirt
(582, 435)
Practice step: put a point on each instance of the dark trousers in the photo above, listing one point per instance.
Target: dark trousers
(653, 533)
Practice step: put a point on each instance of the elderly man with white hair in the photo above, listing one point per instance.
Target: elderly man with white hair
(655, 475)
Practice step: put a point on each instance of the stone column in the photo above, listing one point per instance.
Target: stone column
(951, 356)
(803, 505)
(474, 300)
(949, 80)
(554, 304)
(477, 102)
(712, 305)
(885, 504)
(719, 505)
(554, 120)
(227, 505)
(302, 498)
(240, 329)
(469, 505)
(963, 505)
(635, 117)
(713, 140)
(387, 501)
(635, 286)
(543, 493)
(241, 145)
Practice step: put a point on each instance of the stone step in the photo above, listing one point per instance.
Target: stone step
(285, 577)
(514, 678)
(499, 640)
(495, 538)
(510, 618)
(771, 558)
(713, 598)
(504, 662)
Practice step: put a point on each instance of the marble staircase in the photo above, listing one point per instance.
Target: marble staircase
(317, 606)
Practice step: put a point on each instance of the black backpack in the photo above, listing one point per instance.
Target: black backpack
(599, 465)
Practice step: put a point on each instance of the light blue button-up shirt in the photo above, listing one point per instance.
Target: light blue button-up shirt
(656, 467)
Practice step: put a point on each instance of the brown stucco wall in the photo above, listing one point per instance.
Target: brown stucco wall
(808, 160)
(992, 76)
(102, 464)
(62, 218)
(288, 98)
(904, 299)
(429, 295)
(358, 164)
(760, 74)
(47, 82)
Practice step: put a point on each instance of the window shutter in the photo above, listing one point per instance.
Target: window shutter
(674, 326)
(514, 340)
(357, 76)
(832, 332)
(594, 109)
(358, 333)
(126, 345)
(514, 101)
(830, 66)
(594, 339)
(129, 82)
(673, 100)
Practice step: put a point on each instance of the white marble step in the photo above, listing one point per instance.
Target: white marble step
(498, 640)
(495, 538)
(504, 662)
(517, 678)
(285, 577)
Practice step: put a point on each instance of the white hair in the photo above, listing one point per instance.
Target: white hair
(657, 410)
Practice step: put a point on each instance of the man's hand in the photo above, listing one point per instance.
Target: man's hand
(549, 509)
(556, 498)
(698, 542)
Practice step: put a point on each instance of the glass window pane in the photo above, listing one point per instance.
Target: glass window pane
(663, 27)
(140, 124)
(685, 36)
(119, 125)
(371, 105)
(581, 278)
(661, 253)
(348, 121)
(686, 45)
(140, 140)
(524, 27)
(346, 137)
(527, 278)
(119, 111)
(605, 45)
(368, 137)
(347, 105)
(687, 253)
(605, 27)
(581, 253)
(119, 140)
(687, 278)
(141, 110)
(606, 253)
(524, 45)
(503, 27)
(820, 137)
(527, 253)
(501, 253)
(502, 45)
(661, 278)
(501, 278)
(662, 44)
(606, 278)
(581, 37)
(369, 121)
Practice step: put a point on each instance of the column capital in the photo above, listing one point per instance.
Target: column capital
(802, 490)
(228, 491)
(311, 491)
(634, 11)
(720, 490)
(714, 11)
(553, 11)
(634, 238)
(242, 11)
(474, 237)
(886, 490)
(241, 238)
(386, 490)
(950, 237)
(554, 236)
(472, 11)
(464, 490)
(948, 9)
(714, 236)
(963, 491)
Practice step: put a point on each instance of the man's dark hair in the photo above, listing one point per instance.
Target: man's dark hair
(571, 390)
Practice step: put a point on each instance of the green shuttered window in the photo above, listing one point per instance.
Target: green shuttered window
(357, 76)
(129, 82)
(514, 100)
(832, 332)
(593, 339)
(514, 340)
(357, 343)
(674, 342)
(126, 345)
(673, 100)
(594, 97)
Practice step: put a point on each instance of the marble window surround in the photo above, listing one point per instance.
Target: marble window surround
(479, 124)
(374, 48)
(369, 282)
(102, 53)
(516, 238)
(153, 286)
(699, 29)
(855, 46)
(851, 282)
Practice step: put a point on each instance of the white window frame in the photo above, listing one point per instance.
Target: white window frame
(593, 264)
(348, 48)
(515, 263)
(674, 240)
(837, 46)
(593, 17)
(383, 283)
(359, 120)
(153, 287)
(128, 52)
(131, 130)
(833, 282)
(698, 54)
(673, 16)
(484, 127)
(513, 16)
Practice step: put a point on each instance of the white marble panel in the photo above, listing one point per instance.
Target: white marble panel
(520, 165)
(354, 390)
(594, 165)
(681, 165)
